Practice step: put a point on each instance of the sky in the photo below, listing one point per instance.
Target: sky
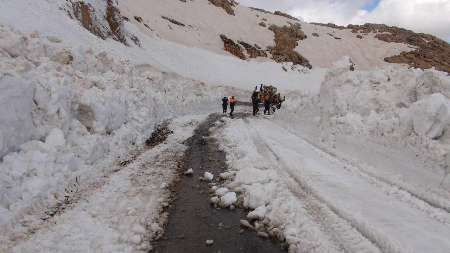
(428, 16)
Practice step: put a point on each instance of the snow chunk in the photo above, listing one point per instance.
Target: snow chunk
(16, 104)
(228, 199)
(56, 138)
(222, 191)
(257, 214)
(431, 115)
(189, 172)
(208, 176)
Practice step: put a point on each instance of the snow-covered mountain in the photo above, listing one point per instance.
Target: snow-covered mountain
(83, 84)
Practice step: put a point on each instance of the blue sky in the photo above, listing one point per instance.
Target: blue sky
(370, 6)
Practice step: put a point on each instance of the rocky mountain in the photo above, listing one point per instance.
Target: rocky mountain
(225, 27)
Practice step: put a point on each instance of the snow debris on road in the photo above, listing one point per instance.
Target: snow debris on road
(228, 199)
(208, 176)
(189, 172)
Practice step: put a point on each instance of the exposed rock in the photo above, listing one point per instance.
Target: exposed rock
(86, 116)
(115, 22)
(315, 34)
(64, 57)
(431, 51)
(279, 13)
(138, 19)
(85, 14)
(252, 51)
(260, 10)
(232, 47)
(112, 27)
(262, 24)
(173, 21)
(286, 40)
(359, 36)
(334, 36)
(227, 5)
(331, 25)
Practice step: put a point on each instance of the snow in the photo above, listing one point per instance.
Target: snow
(257, 214)
(189, 172)
(16, 104)
(208, 176)
(222, 191)
(430, 115)
(355, 162)
(55, 138)
(66, 128)
(205, 22)
(305, 190)
(191, 62)
(228, 199)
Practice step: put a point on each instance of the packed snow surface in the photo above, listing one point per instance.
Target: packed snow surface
(324, 202)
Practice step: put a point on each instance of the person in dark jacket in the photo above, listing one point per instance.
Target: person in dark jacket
(267, 104)
(232, 101)
(225, 104)
(255, 102)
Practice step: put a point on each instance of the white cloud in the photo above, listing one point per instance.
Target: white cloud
(429, 16)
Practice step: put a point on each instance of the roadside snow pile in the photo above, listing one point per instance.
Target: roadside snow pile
(400, 105)
(16, 103)
(76, 114)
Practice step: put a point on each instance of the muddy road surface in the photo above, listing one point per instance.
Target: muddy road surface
(192, 219)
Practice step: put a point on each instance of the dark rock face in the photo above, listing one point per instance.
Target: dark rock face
(286, 40)
(431, 51)
(279, 13)
(227, 5)
(91, 20)
(232, 47)
(115, 22)
(253, 51)
(331, 25)
(173, 21)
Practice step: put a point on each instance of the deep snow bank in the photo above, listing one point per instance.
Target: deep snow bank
(77, 113)
(400, 105)
(16, 103)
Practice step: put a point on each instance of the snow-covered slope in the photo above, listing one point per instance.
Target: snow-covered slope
(203, 23)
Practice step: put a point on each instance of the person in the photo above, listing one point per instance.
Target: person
(232, 101)
(225, 104)
(255, 102)
(267, 104)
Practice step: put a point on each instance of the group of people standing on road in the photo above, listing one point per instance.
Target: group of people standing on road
(228, 101)
(267, 95)
(268, 98)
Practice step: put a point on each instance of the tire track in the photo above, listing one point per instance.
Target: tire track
(340, 230)
(432, 200)
(434, 208)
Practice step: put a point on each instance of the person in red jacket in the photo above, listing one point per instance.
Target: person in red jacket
(232, 101)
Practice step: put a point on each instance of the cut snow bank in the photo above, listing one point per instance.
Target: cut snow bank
(16, 105)
(72, 120)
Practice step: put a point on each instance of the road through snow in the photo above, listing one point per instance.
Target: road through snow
(323, 202)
